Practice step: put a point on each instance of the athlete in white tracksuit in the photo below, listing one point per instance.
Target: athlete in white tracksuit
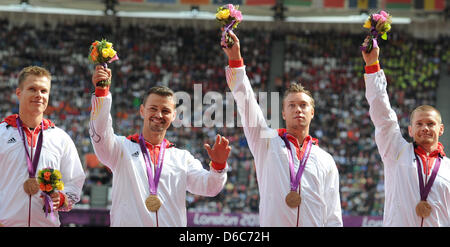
(319, 185)
(181, 172)
(17, 208)
(402, 190)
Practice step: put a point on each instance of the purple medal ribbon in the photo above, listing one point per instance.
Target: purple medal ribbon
(48, 204)
(374, 35)
(153, 181)
(296, 177)
(425, 189)
(32, 164)
(227, 28)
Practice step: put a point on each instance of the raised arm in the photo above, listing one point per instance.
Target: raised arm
(388, 136)
(104, 141)
(255, 127)
(209, 183)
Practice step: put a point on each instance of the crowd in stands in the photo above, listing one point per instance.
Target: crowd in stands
(330, 65)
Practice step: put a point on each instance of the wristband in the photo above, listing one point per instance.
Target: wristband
(372, 68)
(236, 63)
(101, 91)
(217, 166)
(62, 199)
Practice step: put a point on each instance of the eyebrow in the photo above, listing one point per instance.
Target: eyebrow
(157, 106)
(297, 101)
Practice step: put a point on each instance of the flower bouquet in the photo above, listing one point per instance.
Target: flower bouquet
(102, 52)
(229, 17)
(379, 24)
(49, 182)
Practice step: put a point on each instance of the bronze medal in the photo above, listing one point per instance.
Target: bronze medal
(31, 186)
(293, 199)
(423, 209)
(153, 203)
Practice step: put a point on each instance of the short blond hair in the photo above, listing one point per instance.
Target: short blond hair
(32, 70)
(425, 108)
(298, 88)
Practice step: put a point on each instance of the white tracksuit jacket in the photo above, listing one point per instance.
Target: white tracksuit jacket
(181, 172)
(402, 192)
(58, 152)
(320, 204)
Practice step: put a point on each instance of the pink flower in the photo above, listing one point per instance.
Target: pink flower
(383, 13)
(230, 7)
(236, 14)
(113, 59)
(378, 17)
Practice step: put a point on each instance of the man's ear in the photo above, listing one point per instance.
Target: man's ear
(410, 131)
(141, 111)
(18, 92)
(441, 130)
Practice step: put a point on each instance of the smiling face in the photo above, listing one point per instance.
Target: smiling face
(298, 110)
(33, 93)
(426, 126)
(158, 112)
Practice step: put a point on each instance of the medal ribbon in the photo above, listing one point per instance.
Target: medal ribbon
(296, 177)
(48, 205)
(152, 181)
(32, 164)
(227, 28)
(425, 189)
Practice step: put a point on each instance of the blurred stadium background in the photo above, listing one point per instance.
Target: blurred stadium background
(176, 43)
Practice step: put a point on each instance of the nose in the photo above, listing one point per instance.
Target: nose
(38, 95)
(158, 114)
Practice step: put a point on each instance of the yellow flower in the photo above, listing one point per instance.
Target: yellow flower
(108, 44)
(60, 185)
(112, 53)
(58, 174)
(367, 24)
(105, 52)
(223, 14)
(387, 27)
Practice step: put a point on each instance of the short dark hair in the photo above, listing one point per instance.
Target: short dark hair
(159, 90)
(298, 88)
(32, 70)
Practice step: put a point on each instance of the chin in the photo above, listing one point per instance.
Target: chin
(38, 110)
(425, 141)
(157, 128)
